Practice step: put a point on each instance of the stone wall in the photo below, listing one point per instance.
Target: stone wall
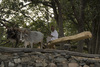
(46, 58)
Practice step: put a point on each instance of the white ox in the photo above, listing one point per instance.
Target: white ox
(31, 37)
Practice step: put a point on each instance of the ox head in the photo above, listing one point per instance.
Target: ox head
(22, 36)
(23, 33)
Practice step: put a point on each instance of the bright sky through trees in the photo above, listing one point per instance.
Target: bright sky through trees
(0, 1)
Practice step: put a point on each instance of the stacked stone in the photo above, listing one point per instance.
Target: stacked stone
(38, 59)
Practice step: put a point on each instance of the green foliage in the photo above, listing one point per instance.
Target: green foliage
(34, 15)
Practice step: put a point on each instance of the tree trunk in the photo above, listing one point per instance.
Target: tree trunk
(81, 25)
(60, 19)
(80, 19)
(95, 41)
(58, 16)
(98, 40)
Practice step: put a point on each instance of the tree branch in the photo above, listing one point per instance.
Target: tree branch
(4, 23)
(73, 7)
(46, 3)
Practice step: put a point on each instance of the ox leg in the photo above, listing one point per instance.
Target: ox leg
(16, 43)
(31, 45)
(13, 45)
(41, 44)
(25, 44)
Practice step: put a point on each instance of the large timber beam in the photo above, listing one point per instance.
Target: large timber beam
(76, 37)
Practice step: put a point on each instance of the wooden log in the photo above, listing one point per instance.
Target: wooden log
(28, 50)
(77, 37)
